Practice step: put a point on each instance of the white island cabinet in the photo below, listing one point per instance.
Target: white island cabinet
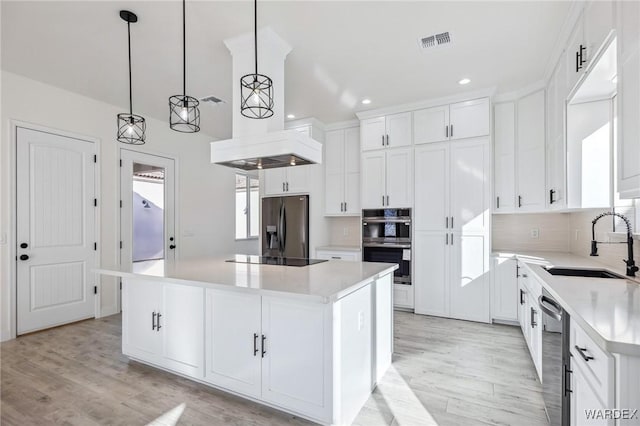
(312, 341)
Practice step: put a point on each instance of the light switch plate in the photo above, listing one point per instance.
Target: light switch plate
(535, 233)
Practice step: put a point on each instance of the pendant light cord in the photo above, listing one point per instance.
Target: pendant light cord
(129, 43)
(255, 34)
(184, 49)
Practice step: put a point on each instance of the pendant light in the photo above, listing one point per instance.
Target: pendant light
(256, 90)
(131, 127)
(184, 115)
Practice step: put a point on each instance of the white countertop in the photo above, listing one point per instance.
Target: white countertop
(324, 282)
(607, 309)
(340, 248)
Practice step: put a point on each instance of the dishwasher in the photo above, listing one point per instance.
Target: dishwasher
(556, 360)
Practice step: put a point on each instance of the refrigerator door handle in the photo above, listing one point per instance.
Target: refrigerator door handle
(283, 229)
(280, 248)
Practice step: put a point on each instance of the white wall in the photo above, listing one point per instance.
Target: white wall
(512, 232)
(205, 192)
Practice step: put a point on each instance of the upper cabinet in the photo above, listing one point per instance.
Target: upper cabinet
(387, 178)
(342, 172)
(589, 34)
(461, 120)
(628, 99)
(556, 140)
(519, 154)
(390, 131)
(530, 152)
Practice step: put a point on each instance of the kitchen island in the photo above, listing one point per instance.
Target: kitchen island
(313, 340)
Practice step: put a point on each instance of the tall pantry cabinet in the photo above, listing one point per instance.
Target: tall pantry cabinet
(452, 223)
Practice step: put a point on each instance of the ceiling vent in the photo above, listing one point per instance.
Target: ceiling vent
(212, 100)
(436, 40)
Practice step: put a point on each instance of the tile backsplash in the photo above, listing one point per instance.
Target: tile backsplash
(344, 231)
(531, 232)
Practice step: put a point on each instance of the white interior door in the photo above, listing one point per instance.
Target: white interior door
(135, 229)
(55, 232)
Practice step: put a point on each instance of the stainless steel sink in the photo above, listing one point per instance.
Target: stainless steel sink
(590, 273)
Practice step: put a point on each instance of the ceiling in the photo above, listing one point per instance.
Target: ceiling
(342, 51)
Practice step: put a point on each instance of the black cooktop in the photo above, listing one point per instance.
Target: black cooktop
(275, 260)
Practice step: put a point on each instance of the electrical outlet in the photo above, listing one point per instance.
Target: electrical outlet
(535, 233)
(345, 232)
(576, 235)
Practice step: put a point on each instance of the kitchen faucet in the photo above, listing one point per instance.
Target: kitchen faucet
(631, 264)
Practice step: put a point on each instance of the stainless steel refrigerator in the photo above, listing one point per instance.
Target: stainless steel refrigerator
(285, 226)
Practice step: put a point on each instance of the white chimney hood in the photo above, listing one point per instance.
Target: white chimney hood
(262, 144)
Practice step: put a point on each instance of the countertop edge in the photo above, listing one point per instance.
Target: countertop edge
(611, 346)
(205, 284)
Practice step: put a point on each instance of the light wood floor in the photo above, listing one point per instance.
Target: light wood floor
(445, 372)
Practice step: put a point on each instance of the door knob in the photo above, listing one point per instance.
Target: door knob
(172, 246)
(24, 257)
(24, 245)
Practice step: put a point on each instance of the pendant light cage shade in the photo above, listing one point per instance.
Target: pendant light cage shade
(184, 114)
(131, 129)
(256, 96)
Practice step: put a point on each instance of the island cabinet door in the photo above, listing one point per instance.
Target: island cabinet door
(141, 302)
(182, 325)
(233, 341)
(296, 371)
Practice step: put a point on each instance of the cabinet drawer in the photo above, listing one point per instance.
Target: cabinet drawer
(596, 364)
(338, 255)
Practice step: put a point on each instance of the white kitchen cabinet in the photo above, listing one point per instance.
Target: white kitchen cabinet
(336, 254)
(504, 140)
(504, 289)
(233, 341)
(556, 139)
(451, 248)
(287, 180)
(462, 120)
(431, 124)
(342, 172)
(529, 315)
(628, 98)
(576, 54)
(584, 399)
(295, 364)
(469, 119)
(530, 152)
(523, 294)
(387, 178)
(163, 325)
(391, 131)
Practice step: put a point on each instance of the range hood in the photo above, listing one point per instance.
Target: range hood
(262, 144)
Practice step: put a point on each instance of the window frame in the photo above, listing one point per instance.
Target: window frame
(248, 176)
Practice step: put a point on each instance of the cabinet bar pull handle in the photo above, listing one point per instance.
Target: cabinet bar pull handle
(255, 344)
(522, 293)
(497, 202)
(519, 200)
(287, 186)
(153, 321)
(577, 61)
(264, 352)
(382, 140)
(551, 200)
(383, 200)
(336, 257)
(446, 222)
(387, 200)
(451, 222)
(533, 314)
(282, 186)
(451, 130)
(452, 238)
(582, 351)
(387, 140)
(345, 206)
(446, 131)
(446, 239)
(158, 327)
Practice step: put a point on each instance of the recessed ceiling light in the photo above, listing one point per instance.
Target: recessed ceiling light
(366, 101)
(291, 116)
(464, 81)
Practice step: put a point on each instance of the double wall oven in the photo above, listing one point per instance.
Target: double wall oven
(386, 237)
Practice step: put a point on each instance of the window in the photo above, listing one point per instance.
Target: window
(247, 198)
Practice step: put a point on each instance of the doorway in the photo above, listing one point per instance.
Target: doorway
(147, 217)
(56, 237)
